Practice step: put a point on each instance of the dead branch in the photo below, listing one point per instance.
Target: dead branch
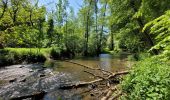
(83, 84)
(109, 93)
(95, 75)
(88, 67)
(116, 96)
(78, 85)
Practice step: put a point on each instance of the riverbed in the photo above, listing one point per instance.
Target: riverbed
(25, 79)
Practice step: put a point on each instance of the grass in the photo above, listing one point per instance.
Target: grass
(10, 56)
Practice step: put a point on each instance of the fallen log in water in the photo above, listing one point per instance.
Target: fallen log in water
(94, 75)
(83, 84)
(34, 96)
(88, 67)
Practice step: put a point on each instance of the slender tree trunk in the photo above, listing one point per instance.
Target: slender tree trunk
(66, 41)
(31, 17)
(96, 13)
(102, 29)
(87, 31)
(112, 40)
(87, 35)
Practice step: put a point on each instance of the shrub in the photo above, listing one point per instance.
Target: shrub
(138, 56)
(148, 80)
(10, 56)
(55, 53)
(18, 55)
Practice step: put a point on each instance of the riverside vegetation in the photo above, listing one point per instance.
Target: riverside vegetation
(31, 33)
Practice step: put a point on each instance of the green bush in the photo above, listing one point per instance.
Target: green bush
(55, 53)
(138, 56)
(18, 55)
(10, 56)
(148, 80)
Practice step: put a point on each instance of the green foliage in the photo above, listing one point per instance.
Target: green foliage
(127, 18)
(18, 55)
(25, 24)
(126, 29)
(138, 56)
(131, 43)
(55, 53)
(149, 79)
(30, 55)
(10, 56)
(150, 9)
(160, 28)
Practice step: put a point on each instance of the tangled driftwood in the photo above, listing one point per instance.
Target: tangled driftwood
(82, 84)
(111, 76)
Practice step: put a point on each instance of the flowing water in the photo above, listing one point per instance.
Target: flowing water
(57, 74)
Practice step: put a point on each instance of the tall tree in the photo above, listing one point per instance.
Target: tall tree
(50, 30)
(103, 23)
(88, 4)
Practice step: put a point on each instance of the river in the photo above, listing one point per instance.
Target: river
(31, 78)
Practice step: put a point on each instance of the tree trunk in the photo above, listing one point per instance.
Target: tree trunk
(112, 40)
(87, 31)
(101, 33)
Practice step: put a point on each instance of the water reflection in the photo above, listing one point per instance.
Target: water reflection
(60, 73)
(105, 61)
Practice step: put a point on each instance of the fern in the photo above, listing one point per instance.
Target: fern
(160, 27)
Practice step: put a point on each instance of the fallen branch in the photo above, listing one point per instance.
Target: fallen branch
(88, 67)
(116, 96)
(83, 84)
(94, 75)
(109, 93)
(78, 85)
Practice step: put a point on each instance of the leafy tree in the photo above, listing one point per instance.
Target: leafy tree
(159, 27)
(50, 31)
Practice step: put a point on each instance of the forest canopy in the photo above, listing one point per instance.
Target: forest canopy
(98, 25)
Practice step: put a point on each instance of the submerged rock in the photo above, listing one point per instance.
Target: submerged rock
(21, 66)
(13, 80)
(42, 75)
(31, 71)
(23, 80)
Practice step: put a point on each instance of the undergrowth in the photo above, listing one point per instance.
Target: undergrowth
(149, 79)
(10, 56)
